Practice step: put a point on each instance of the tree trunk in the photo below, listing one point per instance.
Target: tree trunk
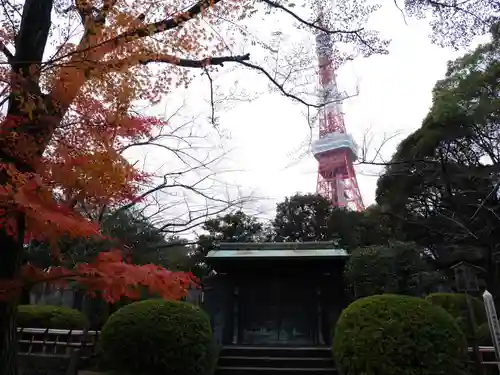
(8, 343)
(30, 43)
(11, 248)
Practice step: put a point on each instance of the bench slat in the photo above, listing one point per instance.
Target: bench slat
(56, 343)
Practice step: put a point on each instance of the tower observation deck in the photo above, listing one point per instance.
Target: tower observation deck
(335, 150)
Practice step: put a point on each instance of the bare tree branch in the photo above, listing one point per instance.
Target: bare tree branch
(7, 53)
(174, 60)
(166, 24)
(279, 86)
(212, 103)
(317, 26)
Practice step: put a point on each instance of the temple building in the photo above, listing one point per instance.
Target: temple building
(275, 293)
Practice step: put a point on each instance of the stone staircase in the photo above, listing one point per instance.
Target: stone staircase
(253, 360)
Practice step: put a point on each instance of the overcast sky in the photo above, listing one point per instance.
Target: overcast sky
(394, 96)
(395, 93)
(266, 138)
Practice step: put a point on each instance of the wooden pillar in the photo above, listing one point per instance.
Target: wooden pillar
(236, 316)
(319, 320)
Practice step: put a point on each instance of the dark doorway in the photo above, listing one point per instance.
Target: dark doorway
(278, 312)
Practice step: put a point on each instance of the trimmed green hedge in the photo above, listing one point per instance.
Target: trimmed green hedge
(46, 316)
(456, 305)
(158, 337)
(398, 335)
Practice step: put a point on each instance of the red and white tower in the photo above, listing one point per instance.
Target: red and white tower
(335, 150)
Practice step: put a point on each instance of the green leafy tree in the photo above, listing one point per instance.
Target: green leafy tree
(231, 227)
(398, 267)
(375, 227)
(303, 217)
(310, 217)
(443, 182)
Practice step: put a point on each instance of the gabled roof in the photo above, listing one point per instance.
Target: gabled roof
(277, 250)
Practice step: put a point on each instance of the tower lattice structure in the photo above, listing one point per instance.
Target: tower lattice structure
(335, 149)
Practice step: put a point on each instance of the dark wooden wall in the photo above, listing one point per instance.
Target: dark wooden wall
(234, 295)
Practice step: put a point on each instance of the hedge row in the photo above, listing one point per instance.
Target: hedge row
(45, 316)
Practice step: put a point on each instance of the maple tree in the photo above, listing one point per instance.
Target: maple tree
(71, 73)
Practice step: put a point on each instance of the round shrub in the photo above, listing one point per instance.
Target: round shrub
(46, 316)
(398, 335)
(158, 337)
(456, 305)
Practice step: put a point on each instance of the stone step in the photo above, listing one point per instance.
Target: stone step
(276, 362)
(276, 351)
(269, 360)
(274, 371)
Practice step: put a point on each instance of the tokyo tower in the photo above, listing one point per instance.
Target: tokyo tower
(335, 150)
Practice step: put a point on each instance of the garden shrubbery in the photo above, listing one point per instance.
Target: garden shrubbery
(456, 305)
(158, 337)
(397, 267)
(46, 316)
(398, 335)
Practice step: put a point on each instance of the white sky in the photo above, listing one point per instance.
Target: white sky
(395, 93)
(266, 138)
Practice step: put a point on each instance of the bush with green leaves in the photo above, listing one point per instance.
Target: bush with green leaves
(398, 335)
(155, 337)
(456, 305)
(398, 267)
(46, 316)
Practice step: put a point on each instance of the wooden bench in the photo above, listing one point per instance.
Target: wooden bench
(54, 351)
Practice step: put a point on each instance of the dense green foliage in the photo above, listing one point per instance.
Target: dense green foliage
(231, 227)
(301, 217)
(304, 218)
(456, 305)
(158, 337)
(398, 335)
(46, 316)
(442, 184)
(397, 267)
(309, 217)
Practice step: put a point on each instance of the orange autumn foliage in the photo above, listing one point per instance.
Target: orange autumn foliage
(113, 277)
(71, 85)
(83, 166)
